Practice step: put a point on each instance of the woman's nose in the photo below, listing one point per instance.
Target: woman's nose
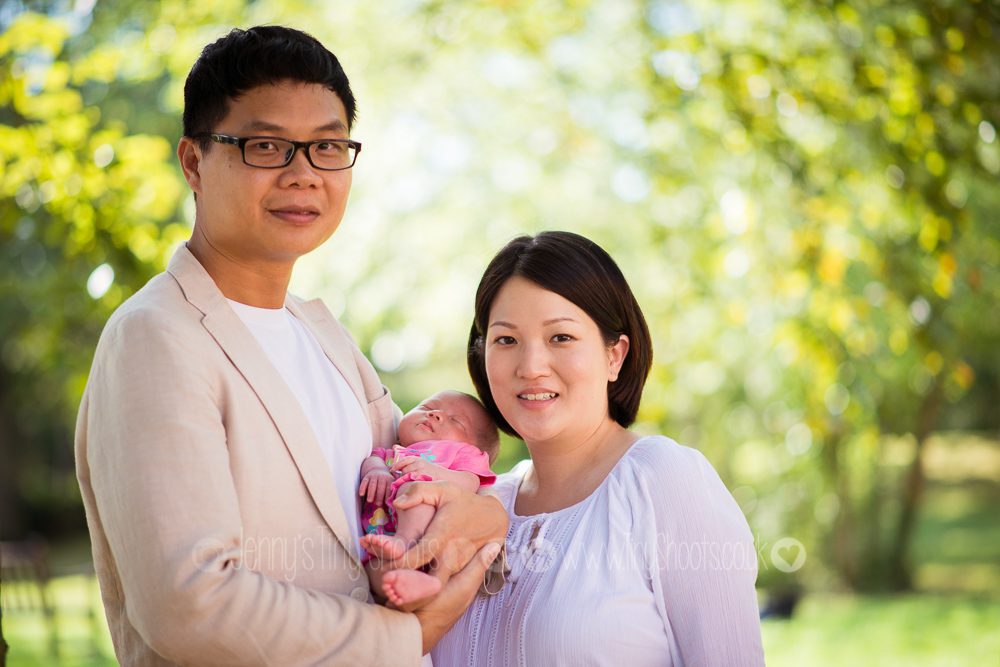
(533, 362)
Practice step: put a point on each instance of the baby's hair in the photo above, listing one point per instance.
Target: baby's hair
(487, 435)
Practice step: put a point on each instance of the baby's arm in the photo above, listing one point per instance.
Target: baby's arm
(468, 481)
(375, 480)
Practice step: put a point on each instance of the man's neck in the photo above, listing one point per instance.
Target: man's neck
(262, 285)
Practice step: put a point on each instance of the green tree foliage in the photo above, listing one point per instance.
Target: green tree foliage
(86, 219)
(802, 194)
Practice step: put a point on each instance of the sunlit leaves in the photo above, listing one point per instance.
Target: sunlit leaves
(802, 195)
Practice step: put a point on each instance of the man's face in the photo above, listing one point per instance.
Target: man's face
(259, 216)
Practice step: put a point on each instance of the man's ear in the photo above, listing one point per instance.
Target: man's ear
(189, 154)
(616, 357)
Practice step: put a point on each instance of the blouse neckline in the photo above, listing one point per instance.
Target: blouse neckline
(593, 494)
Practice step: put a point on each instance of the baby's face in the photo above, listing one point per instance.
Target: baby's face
(447, 415)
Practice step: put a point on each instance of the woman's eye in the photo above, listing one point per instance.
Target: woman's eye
(562, 338)
(504, 340)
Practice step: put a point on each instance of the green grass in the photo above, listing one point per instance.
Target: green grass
(909, 630)
(80, 626)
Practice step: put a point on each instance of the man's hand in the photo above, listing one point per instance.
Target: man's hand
(376, 486)
(437, 616)
(463, 525)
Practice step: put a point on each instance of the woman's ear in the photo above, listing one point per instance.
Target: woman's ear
(617, 352)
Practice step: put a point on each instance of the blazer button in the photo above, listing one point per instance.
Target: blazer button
(360, 594)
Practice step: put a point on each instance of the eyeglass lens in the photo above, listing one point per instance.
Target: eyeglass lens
(277, 153)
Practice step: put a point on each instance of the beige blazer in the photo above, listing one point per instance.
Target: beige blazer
(217, 532)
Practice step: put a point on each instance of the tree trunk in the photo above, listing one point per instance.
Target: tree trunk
(899, 566)
(3, 642)
(11, 524)
(844, 553)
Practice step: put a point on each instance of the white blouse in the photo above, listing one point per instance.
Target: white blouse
(655, 567)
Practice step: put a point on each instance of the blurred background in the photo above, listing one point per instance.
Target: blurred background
(803, 195)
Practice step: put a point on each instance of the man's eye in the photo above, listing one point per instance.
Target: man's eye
(263, 147)
(330, 147)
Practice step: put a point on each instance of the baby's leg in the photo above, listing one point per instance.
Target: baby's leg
(410, 526)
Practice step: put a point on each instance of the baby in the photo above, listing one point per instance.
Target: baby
(434, 444)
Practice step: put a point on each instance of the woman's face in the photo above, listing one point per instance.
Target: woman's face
(548, 365)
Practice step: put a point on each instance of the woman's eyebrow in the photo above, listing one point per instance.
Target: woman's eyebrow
(501, 323)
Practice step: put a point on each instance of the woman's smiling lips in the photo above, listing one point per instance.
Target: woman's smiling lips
(295, 214)
(536, 398)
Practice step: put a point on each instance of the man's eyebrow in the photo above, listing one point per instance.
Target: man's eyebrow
(335, 126)
(265, 126)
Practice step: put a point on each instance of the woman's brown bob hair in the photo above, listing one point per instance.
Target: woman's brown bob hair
(580, 271)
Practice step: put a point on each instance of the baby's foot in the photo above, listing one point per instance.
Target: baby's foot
(385, 547)
(405, 588)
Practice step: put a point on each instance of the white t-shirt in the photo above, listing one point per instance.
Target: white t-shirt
(337, 419)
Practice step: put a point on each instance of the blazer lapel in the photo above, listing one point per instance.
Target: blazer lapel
(278, 400)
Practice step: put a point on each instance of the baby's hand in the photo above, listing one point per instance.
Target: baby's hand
(376, 485)
(416, 466)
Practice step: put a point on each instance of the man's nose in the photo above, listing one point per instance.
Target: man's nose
(300, 171)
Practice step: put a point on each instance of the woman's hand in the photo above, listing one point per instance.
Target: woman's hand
(375, 484)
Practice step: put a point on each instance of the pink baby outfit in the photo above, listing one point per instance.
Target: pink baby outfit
(450, 454)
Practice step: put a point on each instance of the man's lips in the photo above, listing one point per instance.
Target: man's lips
(297, 214)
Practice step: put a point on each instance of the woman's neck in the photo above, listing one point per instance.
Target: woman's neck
(564, 473)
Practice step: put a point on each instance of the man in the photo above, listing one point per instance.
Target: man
(225, 421)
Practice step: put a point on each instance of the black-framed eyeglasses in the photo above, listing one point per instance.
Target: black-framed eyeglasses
(275, 152)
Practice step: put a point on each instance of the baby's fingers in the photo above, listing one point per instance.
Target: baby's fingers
(380, 493)
(373, 489)
(402, 462)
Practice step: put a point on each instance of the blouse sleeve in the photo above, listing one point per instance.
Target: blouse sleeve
(704, 565)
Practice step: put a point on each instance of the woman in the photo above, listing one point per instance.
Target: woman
(623, 550)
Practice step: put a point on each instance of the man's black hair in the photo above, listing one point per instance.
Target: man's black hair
(245, 59)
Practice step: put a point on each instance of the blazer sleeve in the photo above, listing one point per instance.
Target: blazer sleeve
(159, 471)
